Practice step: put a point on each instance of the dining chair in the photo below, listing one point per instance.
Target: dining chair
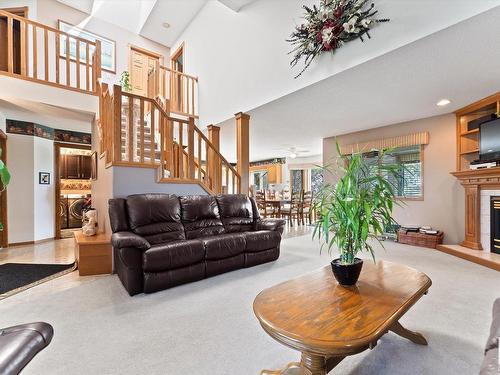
(264, 209)
(306, 207)
(293, 210)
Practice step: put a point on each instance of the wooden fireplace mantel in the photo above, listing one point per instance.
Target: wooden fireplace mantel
(474, 181)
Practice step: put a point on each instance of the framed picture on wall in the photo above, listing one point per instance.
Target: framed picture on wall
(93, 171)
(108, 46)
(44, 178)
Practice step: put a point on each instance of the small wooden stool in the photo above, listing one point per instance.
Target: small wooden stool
(93, 254)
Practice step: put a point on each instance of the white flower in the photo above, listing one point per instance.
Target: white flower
(311, 47)
(366, 22)
(325, 14)
(350, 26)
(327, 34)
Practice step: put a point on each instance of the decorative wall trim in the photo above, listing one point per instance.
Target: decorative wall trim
(42, 131)
(379, 144)
(268, 162)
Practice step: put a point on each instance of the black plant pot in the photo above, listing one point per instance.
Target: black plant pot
(347, 274)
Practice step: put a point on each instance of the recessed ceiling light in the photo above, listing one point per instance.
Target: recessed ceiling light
(293, 155)
(443, 102)
(166, 25)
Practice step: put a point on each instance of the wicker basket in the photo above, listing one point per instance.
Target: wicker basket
(420, 239)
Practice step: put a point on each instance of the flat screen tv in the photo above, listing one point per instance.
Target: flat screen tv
(489, 141)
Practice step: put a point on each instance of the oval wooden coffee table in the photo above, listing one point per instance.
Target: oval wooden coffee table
(327, 322)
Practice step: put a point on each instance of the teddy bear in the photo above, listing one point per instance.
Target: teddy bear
(90, 227)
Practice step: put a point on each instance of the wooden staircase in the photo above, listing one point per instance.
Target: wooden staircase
(137, 131)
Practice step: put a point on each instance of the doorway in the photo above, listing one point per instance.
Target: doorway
(73, 169)
(4, 234)
(176, 64)
(16, 39)
(144, 68)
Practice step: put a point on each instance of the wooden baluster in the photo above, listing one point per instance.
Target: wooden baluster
(141, 119)
(10, 45)
(35, 49)
(130, 129)
(57, 52)
(207, 166)
(97, 68)
(87, 67)
(116, 125)
(46, 53)
(77, 63)
(181, 150)
(191, 167)
(24, 60)
(199, 157)
(68, 72)
(169, 146)
(227, 180)
(192, 97)
(152, 127)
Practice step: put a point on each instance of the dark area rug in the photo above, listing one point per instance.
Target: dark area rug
(16, 277)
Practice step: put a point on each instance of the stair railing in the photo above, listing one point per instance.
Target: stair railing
(137, 131)
(39, 53)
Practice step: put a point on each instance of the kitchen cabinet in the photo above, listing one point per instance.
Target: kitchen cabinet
(75, 167)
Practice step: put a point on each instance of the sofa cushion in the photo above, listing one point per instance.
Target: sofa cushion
(236, 212)
(156, 217)
(200, 216)
(262, 240)
(224, 245)
(173, 255)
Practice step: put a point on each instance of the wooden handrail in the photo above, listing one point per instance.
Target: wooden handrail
(179, 73)
(44, 42)
(174, 146)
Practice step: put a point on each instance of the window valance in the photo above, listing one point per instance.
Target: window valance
(400, 141)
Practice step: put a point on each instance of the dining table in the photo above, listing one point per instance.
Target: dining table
(277, 203)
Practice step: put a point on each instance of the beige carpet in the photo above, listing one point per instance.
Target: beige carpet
(208, 327)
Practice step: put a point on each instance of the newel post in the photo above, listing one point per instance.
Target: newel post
(214, 162)
(243, 150)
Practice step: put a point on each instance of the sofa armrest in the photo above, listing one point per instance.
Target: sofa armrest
(271, 224)
(129, 239)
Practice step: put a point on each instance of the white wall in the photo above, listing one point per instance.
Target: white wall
(20, 193)
(443, 203)
(44, 195)
(242, 58)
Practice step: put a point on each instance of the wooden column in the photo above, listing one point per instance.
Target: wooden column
(243, 150)
(214, 162)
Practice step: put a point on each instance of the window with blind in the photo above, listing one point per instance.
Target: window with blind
(408, 184)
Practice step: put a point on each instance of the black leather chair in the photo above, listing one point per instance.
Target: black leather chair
(162, 240)
(19, 344)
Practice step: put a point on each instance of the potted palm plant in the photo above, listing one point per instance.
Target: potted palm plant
(354, 210)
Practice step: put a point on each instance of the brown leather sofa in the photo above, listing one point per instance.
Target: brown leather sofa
(19, 344)
(491, 364)
(162, 240)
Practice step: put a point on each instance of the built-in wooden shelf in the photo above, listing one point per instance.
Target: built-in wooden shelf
(469, 132)
(468, 140)
(465, 152)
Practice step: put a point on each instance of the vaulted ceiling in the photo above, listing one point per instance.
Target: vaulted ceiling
(159, 20)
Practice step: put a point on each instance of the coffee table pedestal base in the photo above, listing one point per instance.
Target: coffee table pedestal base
(311, 364)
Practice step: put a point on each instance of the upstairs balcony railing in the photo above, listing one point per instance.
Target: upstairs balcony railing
(39, 53)
(138, 131)
(179, 88)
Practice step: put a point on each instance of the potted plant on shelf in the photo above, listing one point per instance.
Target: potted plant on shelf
(354, 210)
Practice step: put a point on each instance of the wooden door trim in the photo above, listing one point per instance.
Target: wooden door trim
(57, 180)
(145, 51)
(18, 11)
(179, 51)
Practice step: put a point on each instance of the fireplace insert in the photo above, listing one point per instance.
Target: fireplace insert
(495, 224)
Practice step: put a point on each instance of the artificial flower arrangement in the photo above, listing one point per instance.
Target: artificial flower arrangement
(329, 26)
